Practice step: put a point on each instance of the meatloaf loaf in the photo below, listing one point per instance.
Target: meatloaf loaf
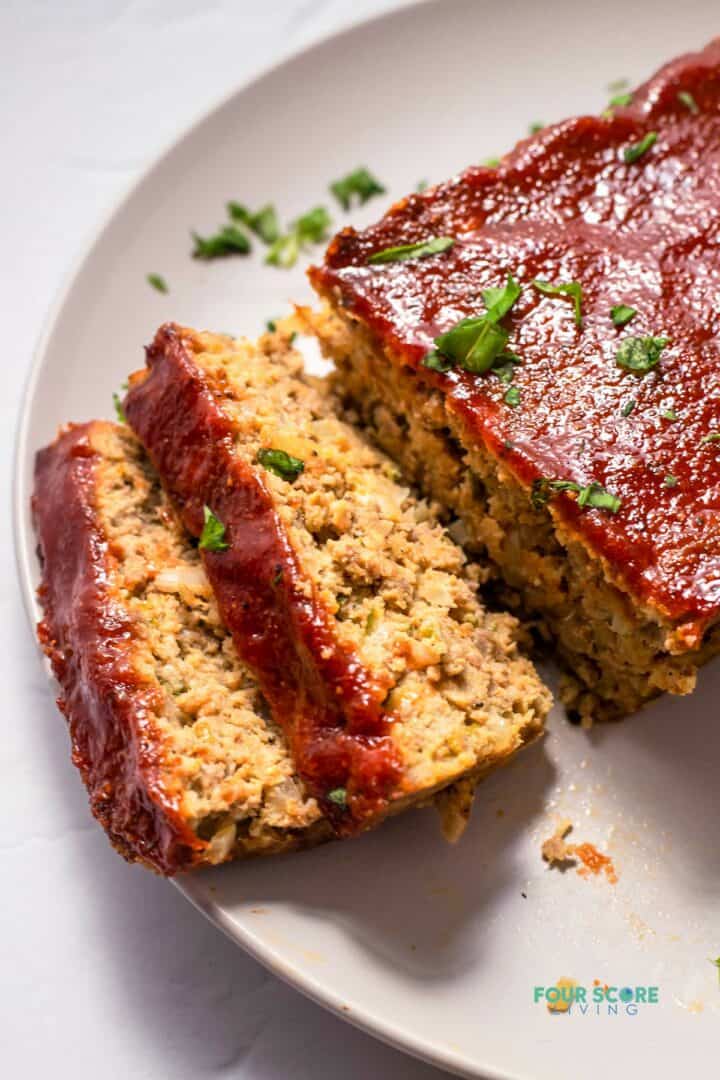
(182, 761)
(536, 344)
(355, 610)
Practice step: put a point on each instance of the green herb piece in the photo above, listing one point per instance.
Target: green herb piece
(264, 223)
(434, 245)
(571, 288)
(617, 84)
(499, 301)
(669, 414)
(491, 162)
(670, 481)
(229, 240)
(714, 436)
(119, 411)
(717, 965)
(310, 228)
(436, 362)
(592, 495)
(271, 325)
(283, 465)
(512, 396)
(284, 252)
(640, 354)
(422, 185)
(622, 314)
(535, 127)
(628, 407)
(633, 153)
(686, 99)
(475, 343)
(620, 101)
(313, 226)
(504, 367)
(597, 497)
(360, 184)
(338, 796)
(212, 537)
(158, 282)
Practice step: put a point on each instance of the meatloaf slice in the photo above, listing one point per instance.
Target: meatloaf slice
(356, 611)
(536, 344)
(182, 761)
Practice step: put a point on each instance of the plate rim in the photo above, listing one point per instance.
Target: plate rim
(390, 1033)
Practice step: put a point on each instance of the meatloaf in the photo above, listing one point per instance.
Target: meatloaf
(537, 345)
(182, 761)
(357, 613)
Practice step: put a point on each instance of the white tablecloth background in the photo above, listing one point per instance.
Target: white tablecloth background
(105, 970)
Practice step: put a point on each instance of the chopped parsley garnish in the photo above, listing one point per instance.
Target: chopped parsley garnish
(633, 153)
(310, 228)
(717, 965)
(620, 101)
(670, 481)
(422, 185)
(628, 407)
(264, 223)
(571, 288)
(669, 414)
(499, 301)
(360, 184)
(434, 245)
(282, 464)
(436, 362)
(212, 537)
(640, 354)
(119, 411)
(475, 343)
(491, 162)
(504, 366)
(512, 396)
(229, 240)
(593, 495)
(714, 436)
(535, 127)
(271, 326)
(685, 98)
(158, 282)
(338, 796)
(617, 84)
(621, 314)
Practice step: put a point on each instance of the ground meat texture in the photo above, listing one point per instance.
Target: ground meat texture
(394, 594)
(183, 763)
(592, 217)
(615, 654)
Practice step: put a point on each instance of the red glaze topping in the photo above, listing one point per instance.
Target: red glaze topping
(564, 206)
(326, 701)
(90, 638)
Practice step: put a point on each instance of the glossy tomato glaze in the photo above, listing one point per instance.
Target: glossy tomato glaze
(90, 640)
(325, 699)
(564, 206)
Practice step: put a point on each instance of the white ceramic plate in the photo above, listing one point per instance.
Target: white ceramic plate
(435, 949)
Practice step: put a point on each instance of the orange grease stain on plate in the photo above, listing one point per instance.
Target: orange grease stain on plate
(594, 862)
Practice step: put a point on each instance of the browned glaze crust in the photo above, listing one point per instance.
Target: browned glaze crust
(89, 638)
(565, 205)
(325, 699)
